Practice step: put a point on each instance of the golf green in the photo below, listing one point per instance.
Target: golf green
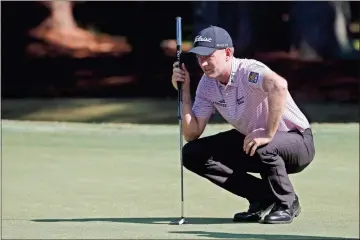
(122, 181)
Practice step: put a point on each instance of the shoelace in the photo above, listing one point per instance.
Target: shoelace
(278, 208)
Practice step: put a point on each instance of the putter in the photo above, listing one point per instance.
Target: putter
(178, 53)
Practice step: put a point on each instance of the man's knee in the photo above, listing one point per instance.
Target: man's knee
(267, 154)
(271, 157)
(190, 151)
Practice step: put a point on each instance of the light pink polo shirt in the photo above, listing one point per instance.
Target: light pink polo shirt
(242, 102)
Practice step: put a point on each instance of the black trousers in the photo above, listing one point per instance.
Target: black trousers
(221, 159)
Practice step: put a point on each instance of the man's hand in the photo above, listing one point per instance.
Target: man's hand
(180, 75)
(255, 139)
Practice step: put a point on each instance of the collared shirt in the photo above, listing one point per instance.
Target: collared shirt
(242, 102)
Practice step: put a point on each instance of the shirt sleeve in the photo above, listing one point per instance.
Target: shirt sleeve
(202, 107)
(254, 74)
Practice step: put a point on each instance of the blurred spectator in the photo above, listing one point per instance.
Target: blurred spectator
(232, 16)
(319, 29)
(341, 24)
(235, 17)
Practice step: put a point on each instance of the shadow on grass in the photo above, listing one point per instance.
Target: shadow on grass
(190, 221)
(156, 220)
(251, 236)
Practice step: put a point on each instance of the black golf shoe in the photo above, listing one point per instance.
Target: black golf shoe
(281, 215)
(256, 211)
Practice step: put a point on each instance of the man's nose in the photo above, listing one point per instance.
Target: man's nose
(204, 63)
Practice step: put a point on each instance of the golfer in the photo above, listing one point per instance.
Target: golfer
(271, 136)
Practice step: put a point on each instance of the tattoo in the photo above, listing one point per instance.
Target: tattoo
(268, 84)
(277, 92)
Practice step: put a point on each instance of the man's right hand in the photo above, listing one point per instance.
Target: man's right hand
(180, 75)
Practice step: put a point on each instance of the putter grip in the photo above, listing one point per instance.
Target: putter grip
(178, 58)
(178, 47)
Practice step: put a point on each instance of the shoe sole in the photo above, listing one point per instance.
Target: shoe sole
(296, 214)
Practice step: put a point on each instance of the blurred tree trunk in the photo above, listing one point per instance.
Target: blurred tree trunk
(61, 15)
(61, 31)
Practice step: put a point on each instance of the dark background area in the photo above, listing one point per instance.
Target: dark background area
(146, 24)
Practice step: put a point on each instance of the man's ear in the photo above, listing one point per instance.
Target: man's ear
(228, 53)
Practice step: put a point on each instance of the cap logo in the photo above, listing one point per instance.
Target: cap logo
(202, 39)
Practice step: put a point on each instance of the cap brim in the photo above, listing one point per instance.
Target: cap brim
(203, 51)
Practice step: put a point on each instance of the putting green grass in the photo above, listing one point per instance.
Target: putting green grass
(122, 181)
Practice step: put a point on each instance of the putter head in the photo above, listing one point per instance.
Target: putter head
(181, 221)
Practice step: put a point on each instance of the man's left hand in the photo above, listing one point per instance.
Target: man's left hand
(255, 139)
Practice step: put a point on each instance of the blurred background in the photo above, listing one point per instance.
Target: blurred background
(112, 61)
